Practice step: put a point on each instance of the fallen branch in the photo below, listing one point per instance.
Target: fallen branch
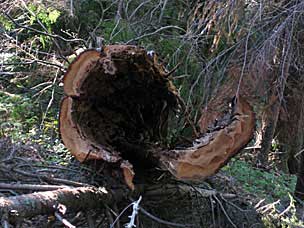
(155, 32)
(34, 187)
(30, 205)
(64, 221)
(51, 179)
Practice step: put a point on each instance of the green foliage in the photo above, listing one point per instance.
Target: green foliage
(18, 115)
(268, 185)
(20, 120)
(275, 188)
(7, 24)
(22, 116)
(47, 16)
(275, 145)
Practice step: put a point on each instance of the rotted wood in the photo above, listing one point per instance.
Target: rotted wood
(117, 106)
(211, 151)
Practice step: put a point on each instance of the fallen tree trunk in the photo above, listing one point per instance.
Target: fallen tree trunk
(16, 208)
(117, 107)
(30, 205)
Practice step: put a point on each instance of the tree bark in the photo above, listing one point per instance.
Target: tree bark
(290, 131)
(30, 205)
(269, 124)
(85, 198)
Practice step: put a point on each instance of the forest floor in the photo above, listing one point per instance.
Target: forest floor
(243, 190)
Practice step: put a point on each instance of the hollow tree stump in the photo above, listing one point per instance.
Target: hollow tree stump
(116, 109)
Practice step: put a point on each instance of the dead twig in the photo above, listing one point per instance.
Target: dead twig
(42, 62)
(212, 210)
(173, 70)
(161, 221)
(33, 187)
(224, 211)
(155, 32)
(41, 32)
(63, 220)
(267, 207)
(115, 222)
(51, 179)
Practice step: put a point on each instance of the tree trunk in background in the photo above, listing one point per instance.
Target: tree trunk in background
(290, 132)
(299, 191)
(267, 130)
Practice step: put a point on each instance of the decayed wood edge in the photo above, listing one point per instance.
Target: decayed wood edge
(128, 173)
(75, 77)
(82, 149)
(30, 205)
(218, 147)
(79, 146)
(80, 68)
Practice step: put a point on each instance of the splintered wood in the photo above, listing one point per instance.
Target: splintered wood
(116, 109)
(210, 152)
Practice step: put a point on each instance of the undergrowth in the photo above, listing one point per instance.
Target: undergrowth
(265, 184)
(270, 191)
(21, 121)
